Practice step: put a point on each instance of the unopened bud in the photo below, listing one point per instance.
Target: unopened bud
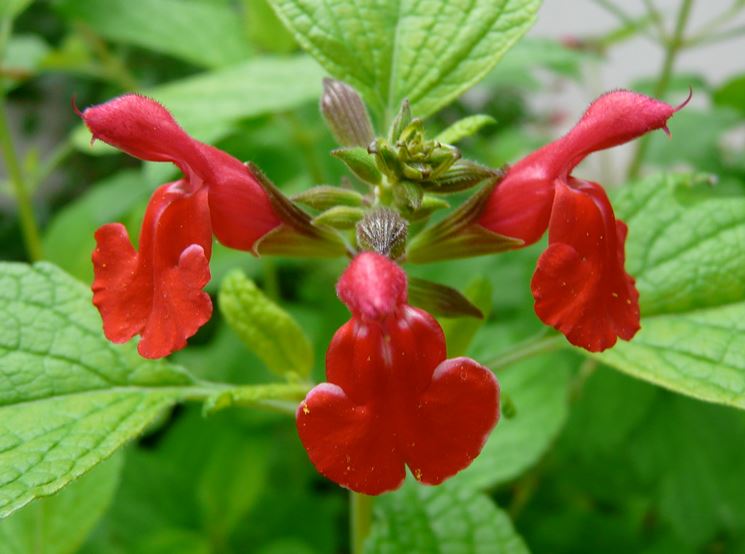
(383, 231)
(360, 162)
(345, 114)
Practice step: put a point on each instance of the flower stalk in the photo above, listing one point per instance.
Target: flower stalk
(360, 520)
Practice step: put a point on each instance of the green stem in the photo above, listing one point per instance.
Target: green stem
(29, 227)
(527, 349)
(672, 49)
(361, 507)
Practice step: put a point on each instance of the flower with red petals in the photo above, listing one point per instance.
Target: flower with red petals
(392, 398)
(580, 285)
(157, 291)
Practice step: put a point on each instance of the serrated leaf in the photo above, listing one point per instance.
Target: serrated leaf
(686, 249)
(269, 331)
(429, 52)
(206, 34)
(208, 104)
(68, 397)
(446, 519)
(465, 128)
(539, 390)
(60, 523)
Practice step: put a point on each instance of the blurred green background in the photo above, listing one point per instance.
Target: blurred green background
(592, 462)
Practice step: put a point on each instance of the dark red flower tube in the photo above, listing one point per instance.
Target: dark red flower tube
(580, 285)
(157, 292)
(392, 398)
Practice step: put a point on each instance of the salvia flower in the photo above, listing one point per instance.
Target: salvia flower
(580, 285)
(392, 398)
(157, 291)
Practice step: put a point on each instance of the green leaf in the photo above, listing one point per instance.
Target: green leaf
(23, 56)
(429, 52)
(686, 249)
(460, 331)
(441, 300)
(465, 128)
(732, 94)
(360, 163)
(265, 327)
(68, 397)
(68, 240)
(204, 34)
(446, 519)
(59, 524)
(539, 390)
(208, 104)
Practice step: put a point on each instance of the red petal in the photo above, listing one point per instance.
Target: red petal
(241, 211)
(391, 401)
(144, 129)
(520, 206)
(450, 423)
(372, 286)
(345, 443)
(580, 285)
(157, 292)
(613, 119)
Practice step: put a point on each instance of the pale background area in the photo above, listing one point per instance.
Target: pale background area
(631, 60)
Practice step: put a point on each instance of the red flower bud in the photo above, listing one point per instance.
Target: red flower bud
(580, 285)
(392, 399)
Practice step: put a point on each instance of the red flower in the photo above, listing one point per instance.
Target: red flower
(392, 399)
(580, 285)
(157, 292)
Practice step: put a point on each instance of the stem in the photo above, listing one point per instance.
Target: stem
(29, 227)
(527, 349)
(672, 49)
(360, 520)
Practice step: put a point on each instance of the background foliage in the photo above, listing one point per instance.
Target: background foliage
(592, 460)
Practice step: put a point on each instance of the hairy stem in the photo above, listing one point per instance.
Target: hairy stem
(672, 48)
(360, 520)
(29, 227)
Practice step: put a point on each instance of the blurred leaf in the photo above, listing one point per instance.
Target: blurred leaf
(170, 541)
(429, 52)
(539, 390)
(11, 8)
(59, 524)
(732, 94)
(461, 330)
(699, 145)
(71, 397)
(686, 249)
(68, 240)
(231, 483)
(265, 29)
(446, 519)
(465, 128)
(519, 65)
(205, 34)
(23, 56)
(265, 327)
(208, 104)
(692, 453)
